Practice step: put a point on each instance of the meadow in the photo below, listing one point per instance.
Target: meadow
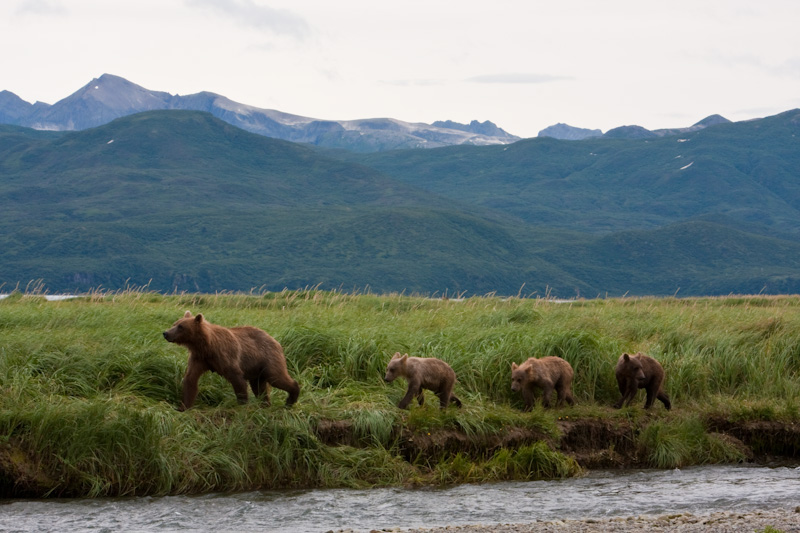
(89, 390)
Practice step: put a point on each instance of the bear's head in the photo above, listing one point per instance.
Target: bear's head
(396, 367)
(185, 330)
(632, 367)
(520, 375)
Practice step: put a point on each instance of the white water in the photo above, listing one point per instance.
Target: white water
(698, 490)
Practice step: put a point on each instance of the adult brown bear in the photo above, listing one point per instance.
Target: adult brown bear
(640, 371)
(241, 355)
(548, 373)
(423, 373)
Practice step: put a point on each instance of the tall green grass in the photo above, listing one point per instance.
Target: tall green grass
(89, 388)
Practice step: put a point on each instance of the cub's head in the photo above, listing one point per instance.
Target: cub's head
(631, 367)
(396, 367)
(185, 330)
(520, 375)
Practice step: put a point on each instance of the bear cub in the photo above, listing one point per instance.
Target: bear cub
(242, 355)
(547, 373)
(640, 371)
(423, 373)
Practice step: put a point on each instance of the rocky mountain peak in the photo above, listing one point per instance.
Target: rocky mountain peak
(566, 132)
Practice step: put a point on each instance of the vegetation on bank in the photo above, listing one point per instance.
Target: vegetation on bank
(89, 390)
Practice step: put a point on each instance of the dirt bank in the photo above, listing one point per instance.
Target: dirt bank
(594, 443)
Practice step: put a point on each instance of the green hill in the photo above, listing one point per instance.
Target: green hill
(746, 171)
(687, 258)
(181, 201)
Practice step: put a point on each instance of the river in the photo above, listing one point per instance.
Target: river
(599, 494)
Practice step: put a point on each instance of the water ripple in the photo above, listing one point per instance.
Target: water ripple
(697, 490)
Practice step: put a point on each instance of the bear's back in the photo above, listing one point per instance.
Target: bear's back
(430, 370)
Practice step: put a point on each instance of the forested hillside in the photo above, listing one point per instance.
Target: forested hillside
(181, 201)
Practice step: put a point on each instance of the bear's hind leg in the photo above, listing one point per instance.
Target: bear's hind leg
(565, 394)
(257, 386)
(444, 398)
(290, 386)
(260, 388)
(664, 399)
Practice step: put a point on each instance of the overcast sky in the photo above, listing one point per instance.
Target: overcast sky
(523, 64)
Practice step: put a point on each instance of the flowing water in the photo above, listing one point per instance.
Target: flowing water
(697, 490)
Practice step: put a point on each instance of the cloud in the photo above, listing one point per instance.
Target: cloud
(40, 7)
(517, 78)
(250, 14)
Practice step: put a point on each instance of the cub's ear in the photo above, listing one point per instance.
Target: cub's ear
(187, 314)
(404, 358)
(396, 355)
(199, 318)
(626, 357)
(514, 366)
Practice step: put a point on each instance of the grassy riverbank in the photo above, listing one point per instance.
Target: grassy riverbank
(89, 390)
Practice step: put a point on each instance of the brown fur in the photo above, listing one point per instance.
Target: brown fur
(547, 373)
(640, 371)
(241, 355)
(423, 373)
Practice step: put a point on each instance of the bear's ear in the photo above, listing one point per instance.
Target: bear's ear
(396, 355)
(187, 314)
(626, 357)
(199, 318)
(404, 358)
(514, 366)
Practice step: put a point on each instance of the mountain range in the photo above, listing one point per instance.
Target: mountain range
(180, 200)
(109, 97)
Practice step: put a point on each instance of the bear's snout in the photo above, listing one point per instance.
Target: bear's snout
(166, 336)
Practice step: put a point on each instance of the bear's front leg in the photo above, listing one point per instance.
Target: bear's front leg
(413, 388)
(529, 397)
(561, 396)
(421, 396)
(628, 389)
(628, 397)
(547, 392)
(239, 388)
(195, 369)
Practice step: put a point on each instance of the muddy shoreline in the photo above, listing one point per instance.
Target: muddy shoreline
(593, 443)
